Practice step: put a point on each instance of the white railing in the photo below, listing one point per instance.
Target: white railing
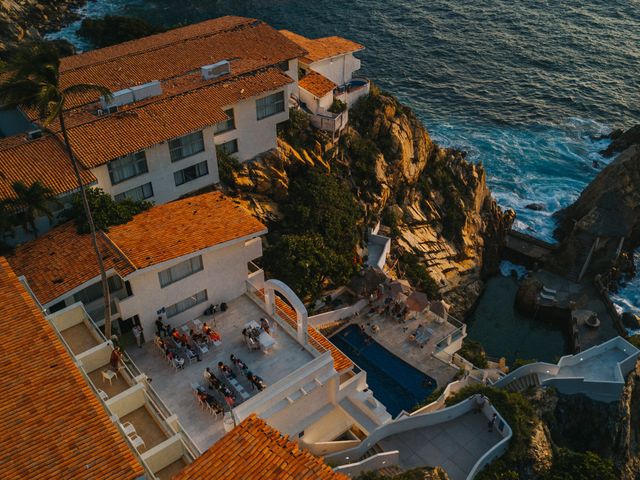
(330, 122)
(426, 420)
(336, 315)
(375, 462)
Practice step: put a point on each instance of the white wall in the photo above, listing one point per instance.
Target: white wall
(254, 136)
(313, 103)
(338, 69)
(161, 170)
(224, 276)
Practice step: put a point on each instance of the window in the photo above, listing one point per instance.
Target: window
(191, 173)
(267, 106)
(186, 304)
(228, 148)
(127, 167)
(284, 66)
(186, 146)
(139, 193)
(180, 271)
(225, 125)
(94, 292)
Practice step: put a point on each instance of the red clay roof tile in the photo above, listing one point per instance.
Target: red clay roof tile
(253, 450)
(322, 48)
(53, 425)
(317, 84)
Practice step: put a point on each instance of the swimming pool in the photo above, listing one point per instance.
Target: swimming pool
(394, 382)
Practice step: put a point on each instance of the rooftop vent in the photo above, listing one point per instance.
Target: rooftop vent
(33, 134)
(133, 94)
(209, 72)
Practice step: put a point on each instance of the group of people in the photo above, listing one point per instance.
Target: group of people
(209, 399)
(225, 391)
(181, 349)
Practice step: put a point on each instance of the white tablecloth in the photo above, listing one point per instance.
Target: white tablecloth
(266, 341)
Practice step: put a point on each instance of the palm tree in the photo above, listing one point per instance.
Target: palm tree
(30, 203)
(32, 80)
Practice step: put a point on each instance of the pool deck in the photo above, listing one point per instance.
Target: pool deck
(455, 445)
(394, 337)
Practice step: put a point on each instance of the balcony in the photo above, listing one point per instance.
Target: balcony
(329, 122)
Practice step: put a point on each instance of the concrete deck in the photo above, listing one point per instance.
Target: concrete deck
(175, 387)
(455, 445)
(118, 384)
(170, 470)
(602, 367)
(146, 427)
(394, 337)
(582, 296)
(79, 338)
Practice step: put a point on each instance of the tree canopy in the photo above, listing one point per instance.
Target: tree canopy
(105, 210)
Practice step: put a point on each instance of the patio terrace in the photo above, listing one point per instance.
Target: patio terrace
(80, 338)
(286, 356)
(395, 337)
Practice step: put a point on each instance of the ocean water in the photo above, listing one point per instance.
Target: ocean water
(525, 87)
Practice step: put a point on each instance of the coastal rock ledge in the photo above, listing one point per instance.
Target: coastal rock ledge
(432, 201)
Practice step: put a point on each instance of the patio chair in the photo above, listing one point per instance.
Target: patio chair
(550, 291)
(103, 395)
(109, 375)
(128, 428)
(137, 441)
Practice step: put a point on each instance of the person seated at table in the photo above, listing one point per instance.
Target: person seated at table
(207, 375)
(256, 381)
(211, 333)
(177, 360)
(230, 401)
(238, 363)
(210, 400)
(175, 334)
(185, 339)
(226, 370)
(192, 352)
(264, 324)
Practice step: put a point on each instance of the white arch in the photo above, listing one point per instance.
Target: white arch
(272, 286)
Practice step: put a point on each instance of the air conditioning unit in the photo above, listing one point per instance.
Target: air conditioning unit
(33, 134)
(209, 72)
(119, 98)
(146, 90)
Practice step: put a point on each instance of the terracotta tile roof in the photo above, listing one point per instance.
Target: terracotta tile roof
(183, 227)
(322, 48)
(53, 425)
(141, 126)
(317, 84)
(41, 160)
(249, 44)
(62, 260)
(253, 450)
(316, 339)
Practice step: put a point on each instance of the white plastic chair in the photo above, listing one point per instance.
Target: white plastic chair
(103, 395)
(137, 441)
(109, 375)
(128, 428)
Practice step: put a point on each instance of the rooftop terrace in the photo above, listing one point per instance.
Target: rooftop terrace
(286, 356)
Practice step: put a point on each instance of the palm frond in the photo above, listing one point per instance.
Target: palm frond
(81, 88)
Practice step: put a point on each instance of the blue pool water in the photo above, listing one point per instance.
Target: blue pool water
(394, 382)
(523, 87)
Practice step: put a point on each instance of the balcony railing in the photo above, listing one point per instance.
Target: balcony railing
(330, 122)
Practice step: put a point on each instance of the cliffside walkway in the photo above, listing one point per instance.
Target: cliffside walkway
(456, 445)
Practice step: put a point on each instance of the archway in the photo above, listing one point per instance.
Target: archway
(270, 289)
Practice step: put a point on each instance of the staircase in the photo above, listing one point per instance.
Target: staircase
(389, 471)
(522, 383)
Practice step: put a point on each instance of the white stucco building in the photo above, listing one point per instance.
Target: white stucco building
(176, 258)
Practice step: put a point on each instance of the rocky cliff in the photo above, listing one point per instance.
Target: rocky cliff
(609, 208)
(432, 201)
(29, 19)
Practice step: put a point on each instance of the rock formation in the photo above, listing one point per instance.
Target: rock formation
(29, 19)
(608, 209)
(434, 202)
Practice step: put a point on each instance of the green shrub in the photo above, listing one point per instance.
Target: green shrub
(363, 153)
(419, 276)
(520, 362)
(338, 106)
(473, 351)
(297, 130)
(569, 465)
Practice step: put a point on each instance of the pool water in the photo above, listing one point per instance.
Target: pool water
(394, 382)
(503, 332)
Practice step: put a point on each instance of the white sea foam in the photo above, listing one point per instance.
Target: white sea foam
(507, 269)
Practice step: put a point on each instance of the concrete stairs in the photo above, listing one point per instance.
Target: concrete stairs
(522, 383)
(388, 471)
